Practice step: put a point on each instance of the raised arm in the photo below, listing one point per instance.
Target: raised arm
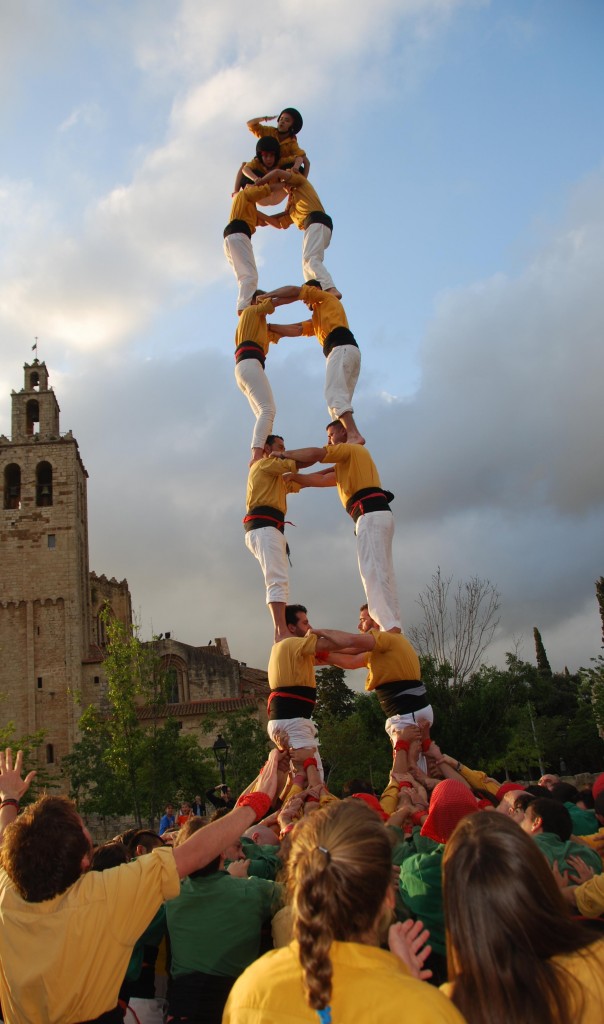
(12, 787)
(322, 478)
(205, 844)
(255, 121)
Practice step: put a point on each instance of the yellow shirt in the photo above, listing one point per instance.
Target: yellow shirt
(252, 326)
(243, 206)
(326, 315)
(302, 201)
(587, 967)
(292, 662)
(355, 469)
(369, 986)
(64, 960)
(289, 146)
(391, 659)
(590, 897)
(266, 486)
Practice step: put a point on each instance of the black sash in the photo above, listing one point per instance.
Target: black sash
(291, 702)
(237, 227)
(263, 515)
(369, 499)
(319, 217)
(402, 697)
(199, 997)
(250, 350)
(339, 336)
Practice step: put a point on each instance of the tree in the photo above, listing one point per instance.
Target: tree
(121, 766)
(335, 699)
(458, 626)
(249, 746)
(600, 600)
(543, 665)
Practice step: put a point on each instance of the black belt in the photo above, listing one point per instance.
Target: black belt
(250, 350)
(402, 697)
(237, 227)
(319, 217)
(264, 515)
(339, 336)
(368, 499)
(291, 702)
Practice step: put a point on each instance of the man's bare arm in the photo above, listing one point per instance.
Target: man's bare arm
(205, 844)
(12, 786)
(255, 121)
(339, 640)
(347, 661)
(286, 330)
(308, 455)
(288, 292)
(321, 478)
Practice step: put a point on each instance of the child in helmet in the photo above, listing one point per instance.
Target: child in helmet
(276, 147)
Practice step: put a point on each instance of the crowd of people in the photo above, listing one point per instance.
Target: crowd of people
(449, 897)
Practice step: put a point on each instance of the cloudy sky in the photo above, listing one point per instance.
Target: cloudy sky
(457, 145)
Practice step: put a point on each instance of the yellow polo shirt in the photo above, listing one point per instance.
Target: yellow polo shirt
(326, 315)
(391, 659)
(292, 662)
(252, 326)
(243, 206)
(355, 469)
(64, 960)
(302, 201)
(266, 486)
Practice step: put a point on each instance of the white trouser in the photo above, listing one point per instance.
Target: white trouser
(238, 251)
(316, 240)
(302, 732)
(268, 545)
(375, 531)
(148, 1011)
(396, 723)
(252, 380)
(342, 370)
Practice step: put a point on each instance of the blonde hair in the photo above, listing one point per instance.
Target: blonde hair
(338, 874)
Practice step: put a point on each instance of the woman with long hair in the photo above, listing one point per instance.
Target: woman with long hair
(339, 876)
(513, 951)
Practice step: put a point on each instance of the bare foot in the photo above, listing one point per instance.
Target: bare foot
(354, 437)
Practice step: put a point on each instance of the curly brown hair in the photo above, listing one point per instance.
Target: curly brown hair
(338, 874)
(44, 847)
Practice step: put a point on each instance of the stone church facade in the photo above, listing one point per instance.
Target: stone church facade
(51, 635)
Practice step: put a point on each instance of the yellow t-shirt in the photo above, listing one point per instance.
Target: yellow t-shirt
(302, 201)
(289, 146)
(243, 206)
(252, 325)
(266, 486)
(590, 897)
(587, 967)
(391, 659)
(355, 469)
(326, 315)
(368, 984)
(64, 960)
(292, 662)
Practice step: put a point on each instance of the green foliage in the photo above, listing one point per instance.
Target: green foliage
(543, 665)
(334, 698)
(249, 747)
(120, 766)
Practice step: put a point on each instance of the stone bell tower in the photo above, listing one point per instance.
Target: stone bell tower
(45, 603)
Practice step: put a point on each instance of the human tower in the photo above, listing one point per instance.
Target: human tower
(279, 173)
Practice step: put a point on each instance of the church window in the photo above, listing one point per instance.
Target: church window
(44, 484)
(34, 380)
(171, 684)
(50, 754)
(52, 540)
(12, 486)
(39, 682)
(32, 417)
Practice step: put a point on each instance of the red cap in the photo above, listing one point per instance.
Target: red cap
(507, 788)
(373, 802)
(451, 801)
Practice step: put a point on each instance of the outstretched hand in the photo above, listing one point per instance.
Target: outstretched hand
(12, 785)
(407, 940)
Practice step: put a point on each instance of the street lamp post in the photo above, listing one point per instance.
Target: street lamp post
(221, 753)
